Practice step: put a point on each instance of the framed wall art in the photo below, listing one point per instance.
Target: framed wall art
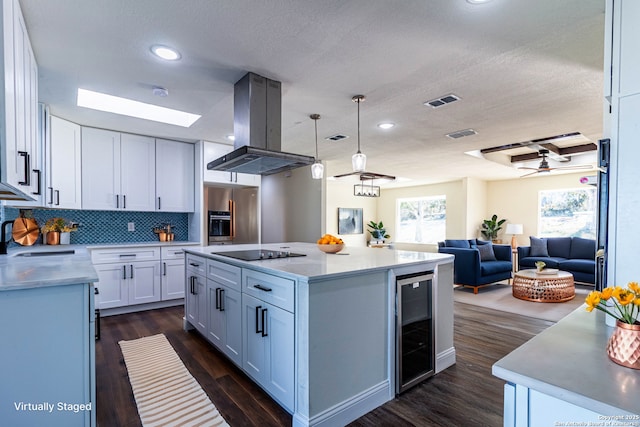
(350, 221)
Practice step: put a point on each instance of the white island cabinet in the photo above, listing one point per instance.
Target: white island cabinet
(318, 331)
(47, 329)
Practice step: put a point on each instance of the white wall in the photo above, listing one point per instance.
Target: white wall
(340, 195)
(475, 191)
(292, 207)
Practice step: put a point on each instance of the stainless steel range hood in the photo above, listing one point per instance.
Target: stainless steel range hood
(257, 117)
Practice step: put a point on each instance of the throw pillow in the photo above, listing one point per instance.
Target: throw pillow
(538, 247)
(457, 244)
(486, 252)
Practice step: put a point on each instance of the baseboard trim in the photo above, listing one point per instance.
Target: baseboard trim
(446, 358)
(104, 312)
(350, 409)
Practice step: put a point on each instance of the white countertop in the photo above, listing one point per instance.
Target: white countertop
(28, 272)
(319, 264)
(569, 361)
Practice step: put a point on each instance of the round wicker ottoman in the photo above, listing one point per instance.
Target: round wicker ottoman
(529, 285)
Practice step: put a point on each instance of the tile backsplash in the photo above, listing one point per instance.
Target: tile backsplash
(109, 226)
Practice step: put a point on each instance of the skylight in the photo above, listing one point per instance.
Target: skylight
(131, 108)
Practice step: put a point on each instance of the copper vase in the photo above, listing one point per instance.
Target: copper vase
(53, 238)
(624, 345)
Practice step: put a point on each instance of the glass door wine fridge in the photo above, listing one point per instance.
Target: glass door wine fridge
(415, 344)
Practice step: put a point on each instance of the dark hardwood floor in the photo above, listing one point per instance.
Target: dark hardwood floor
(464, 395)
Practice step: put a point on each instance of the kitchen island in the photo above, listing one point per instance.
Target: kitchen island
(317, 332)
(47, 362)
(563, 376)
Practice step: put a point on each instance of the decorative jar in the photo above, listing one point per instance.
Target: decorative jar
(53, 237)
(624, 345)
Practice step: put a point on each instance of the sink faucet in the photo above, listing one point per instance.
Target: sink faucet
(3, 237)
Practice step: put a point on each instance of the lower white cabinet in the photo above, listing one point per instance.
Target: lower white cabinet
(134, 277)
(195, 298)
(224, 307)
(172, 277)
(268, 348)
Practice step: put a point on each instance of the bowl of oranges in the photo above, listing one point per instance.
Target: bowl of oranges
(330, 244)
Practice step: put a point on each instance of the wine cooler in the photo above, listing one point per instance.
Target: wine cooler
(415, 344)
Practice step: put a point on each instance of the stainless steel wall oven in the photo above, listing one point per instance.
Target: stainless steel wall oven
(220, 226)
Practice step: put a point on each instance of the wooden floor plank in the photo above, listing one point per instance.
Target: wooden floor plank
(463, 395)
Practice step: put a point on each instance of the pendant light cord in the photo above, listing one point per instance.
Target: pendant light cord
(315, 122)
(358, 102)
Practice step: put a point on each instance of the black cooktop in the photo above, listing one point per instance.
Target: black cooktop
(259, 254)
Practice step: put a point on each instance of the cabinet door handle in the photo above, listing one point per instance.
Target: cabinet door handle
(57, 197)
(217, 298)
(117, 201)
(124, 272)
(50, 195)
(258, 331)
(191, 284)
(25, 155)
(124, 201)
(221, 299)
(159, 204)
(38, 188)
(264, 322)
(262, 288)
(164, 266)
(131, 267)
(195, 285)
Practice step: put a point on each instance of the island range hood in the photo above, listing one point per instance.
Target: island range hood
(257, 117)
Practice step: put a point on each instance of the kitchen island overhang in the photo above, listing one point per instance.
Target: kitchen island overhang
(343, 307)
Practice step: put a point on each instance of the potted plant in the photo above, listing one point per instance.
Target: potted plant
(56, 231)
(490, 228)
(377, 230)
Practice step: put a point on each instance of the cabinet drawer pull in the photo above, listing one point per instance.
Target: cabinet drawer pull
(258, 330)
(262, 288)
(264, 322)
(194, 264)
(26, 167)
(39, 182)
(127, 255)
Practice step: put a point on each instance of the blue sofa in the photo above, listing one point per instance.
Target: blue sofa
(573, 254)
(478, 263)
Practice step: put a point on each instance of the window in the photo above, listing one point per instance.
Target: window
(421, 219)
(567, 213)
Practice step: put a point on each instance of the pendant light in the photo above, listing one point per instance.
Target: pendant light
(358, 160)
(317, 169)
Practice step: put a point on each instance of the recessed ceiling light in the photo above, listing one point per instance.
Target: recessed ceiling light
(478, 1)
(231, 137)
(165, 52)
(386, 125)
(131, 108)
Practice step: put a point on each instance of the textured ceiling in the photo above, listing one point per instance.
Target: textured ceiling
(523, 70)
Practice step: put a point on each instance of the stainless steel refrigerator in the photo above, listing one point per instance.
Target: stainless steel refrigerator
(242, 203)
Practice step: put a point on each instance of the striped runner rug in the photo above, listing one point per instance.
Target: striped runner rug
(166, 393)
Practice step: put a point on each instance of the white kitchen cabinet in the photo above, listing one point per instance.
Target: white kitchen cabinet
(214, 150)
(196, 293)
(64, 177)
(172, 279)
(175, 176)
(134, 277)
(268, 348)
(21, 148)
(118, 171)
(224, 308)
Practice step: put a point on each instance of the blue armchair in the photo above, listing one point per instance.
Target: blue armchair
(478, 263)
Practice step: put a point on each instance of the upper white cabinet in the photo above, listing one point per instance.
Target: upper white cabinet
(118, 171)
(175, 178)
(63, 165)
(214, 150)
(625, 58)
(21, 148)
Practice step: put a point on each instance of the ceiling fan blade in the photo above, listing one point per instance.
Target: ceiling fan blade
(530, 173)
(573, 167)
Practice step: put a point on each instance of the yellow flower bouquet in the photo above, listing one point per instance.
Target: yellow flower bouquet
(626, 302)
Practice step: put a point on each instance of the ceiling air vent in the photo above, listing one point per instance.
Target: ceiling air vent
(439, 102)
(462, 133)
(337, 137)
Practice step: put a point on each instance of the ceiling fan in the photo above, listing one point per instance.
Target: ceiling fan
(544, 165)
